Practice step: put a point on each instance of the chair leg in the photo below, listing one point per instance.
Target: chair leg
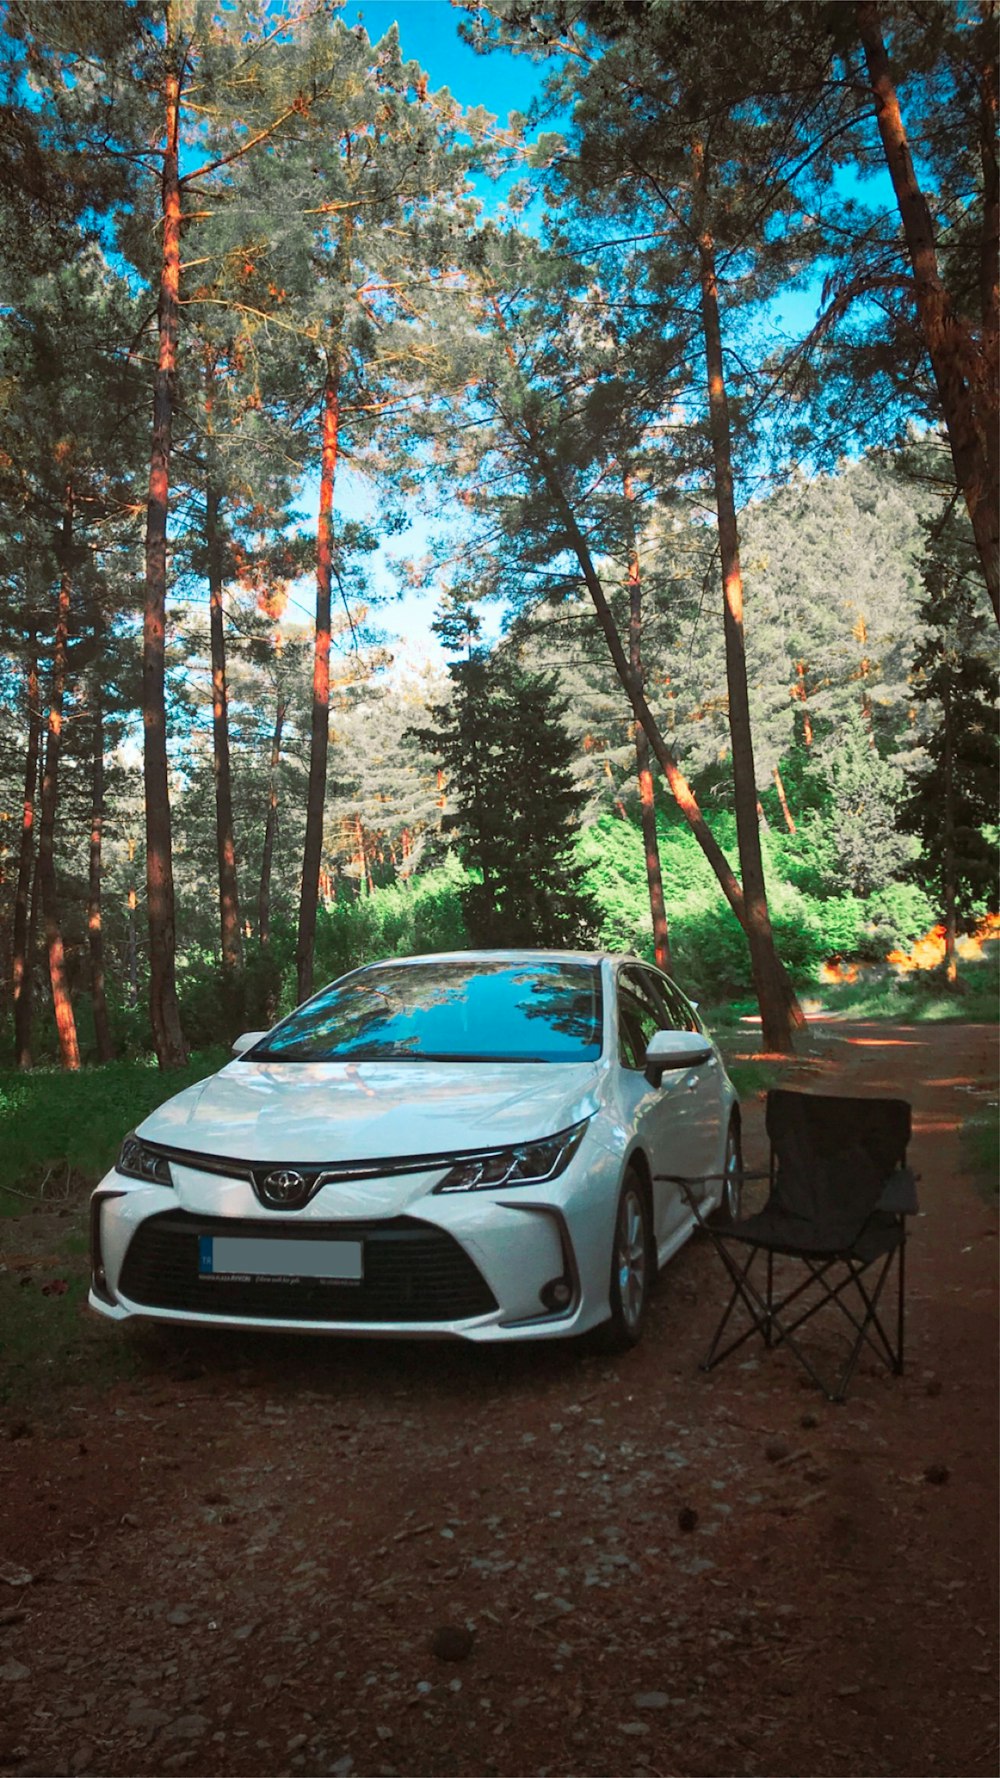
(743, 1291)
(768, 1314)
(770, 1297)
(863, 1326)
(898, 1366)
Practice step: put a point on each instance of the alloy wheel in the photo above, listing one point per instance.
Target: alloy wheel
(631, 1259)
(732, 1184)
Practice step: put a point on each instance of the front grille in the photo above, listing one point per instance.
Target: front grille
(412, 1272)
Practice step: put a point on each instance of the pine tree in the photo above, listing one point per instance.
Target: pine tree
(953, 803)
(516, 805)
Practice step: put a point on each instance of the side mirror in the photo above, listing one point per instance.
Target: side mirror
(247, 1041)
(668, 1050)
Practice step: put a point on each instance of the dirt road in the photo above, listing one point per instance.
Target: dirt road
(269, 1556)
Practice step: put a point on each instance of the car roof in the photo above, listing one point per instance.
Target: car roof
(524, 955)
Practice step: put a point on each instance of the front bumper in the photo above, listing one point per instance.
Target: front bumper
(470, 1266)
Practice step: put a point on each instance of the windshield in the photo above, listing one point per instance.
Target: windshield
(447, 1012)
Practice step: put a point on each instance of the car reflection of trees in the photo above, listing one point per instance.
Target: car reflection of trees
(391, 1014)
(573, 1011)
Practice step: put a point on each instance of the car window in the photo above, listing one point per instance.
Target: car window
(470, 1011)
(680, 1014)
(631, 1040)
(640, 1013)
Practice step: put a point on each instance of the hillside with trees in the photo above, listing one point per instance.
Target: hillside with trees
(718, 592)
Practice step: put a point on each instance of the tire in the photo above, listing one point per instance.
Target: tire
(731, 1203)
(631, 1266)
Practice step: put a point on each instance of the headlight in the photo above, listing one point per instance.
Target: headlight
(530, 1164)
(138, 1161)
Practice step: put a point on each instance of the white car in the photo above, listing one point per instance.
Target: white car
(483, 1145)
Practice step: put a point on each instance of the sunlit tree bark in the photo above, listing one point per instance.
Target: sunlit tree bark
(647, 804)
(270, 830)
(69, 1048)
(229, 900)
(164, 1010)
(764, 963)
(22, 955)
(965, 368)
(95, 924)
(319, 740)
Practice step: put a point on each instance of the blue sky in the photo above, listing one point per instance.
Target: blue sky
(428, 33)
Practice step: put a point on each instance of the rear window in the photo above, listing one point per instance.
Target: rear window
(447, 1012)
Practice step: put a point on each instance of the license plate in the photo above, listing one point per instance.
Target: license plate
(248, 1257)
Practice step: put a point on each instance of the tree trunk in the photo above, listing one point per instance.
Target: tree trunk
(320, 735)
(164, 1012)
(229, 900)
(949, 872)
(62, 1004)
(680, 789)
(964, 378)
(132, 945)
(647, 805)
(22, 958)
(764, 966)
(783, 800)
(95, 931)
(270, 830)
(32, 952)
(800, 694)
(989, 260)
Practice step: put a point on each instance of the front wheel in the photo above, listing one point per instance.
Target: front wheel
(631, 1266)
(731, 1204)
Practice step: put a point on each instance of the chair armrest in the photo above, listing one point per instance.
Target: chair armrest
(899, 1195)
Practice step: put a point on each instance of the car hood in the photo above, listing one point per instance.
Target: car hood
(343, 1111)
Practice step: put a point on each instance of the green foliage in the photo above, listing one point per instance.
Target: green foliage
(952, 802)
(550, 366)
(392, 922)
(922, 996)
(517, 805)
(73, 1123)
(395, 921)
(217, 1004)
(708, 948)
(892, 920)
(856, 839)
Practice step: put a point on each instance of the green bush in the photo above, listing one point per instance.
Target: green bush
(893, 919)
(217, 1004)
(709, 952)
(392, 922)
(51, 1119)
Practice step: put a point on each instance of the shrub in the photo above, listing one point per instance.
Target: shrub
(392, 922)
(218, 1004)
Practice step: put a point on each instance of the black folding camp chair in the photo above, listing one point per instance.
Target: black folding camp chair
(840, 1192)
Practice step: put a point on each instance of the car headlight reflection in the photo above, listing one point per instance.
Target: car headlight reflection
(138, 1161)
(531, 1163)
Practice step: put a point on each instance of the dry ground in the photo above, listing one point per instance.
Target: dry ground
(242, 1559)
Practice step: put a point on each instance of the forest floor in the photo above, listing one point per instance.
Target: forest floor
(233, 1555)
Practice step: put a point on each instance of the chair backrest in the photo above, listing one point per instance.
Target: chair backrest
(831, 1156)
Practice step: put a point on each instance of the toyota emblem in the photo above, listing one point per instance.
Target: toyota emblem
(284, 1187)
